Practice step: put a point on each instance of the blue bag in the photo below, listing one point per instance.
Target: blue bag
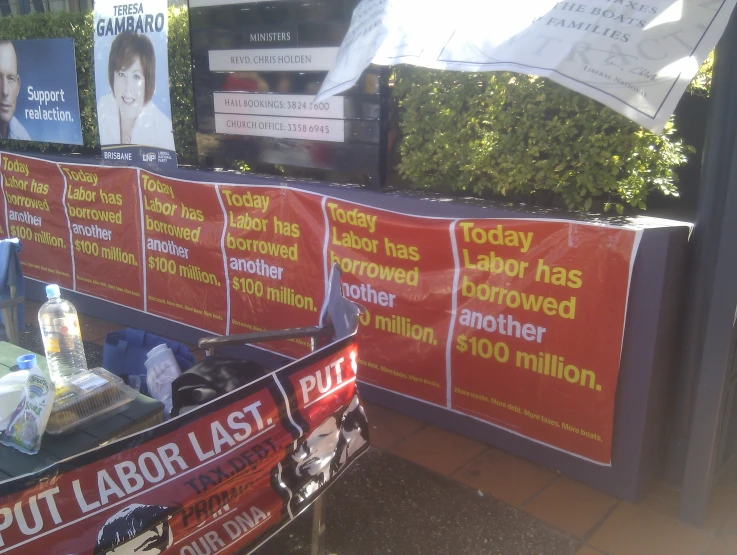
(125, 352)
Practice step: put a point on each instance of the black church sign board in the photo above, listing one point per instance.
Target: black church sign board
(257, 66)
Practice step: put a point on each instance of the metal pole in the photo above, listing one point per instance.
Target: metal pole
(318, 526)
(318, 508)
(712, 290)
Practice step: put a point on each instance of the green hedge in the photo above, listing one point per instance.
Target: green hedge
(529, 139)
(80, 27)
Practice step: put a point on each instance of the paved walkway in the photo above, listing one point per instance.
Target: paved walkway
(599, 523)
(422, 490)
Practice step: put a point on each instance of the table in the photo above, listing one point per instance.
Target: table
(143, 412)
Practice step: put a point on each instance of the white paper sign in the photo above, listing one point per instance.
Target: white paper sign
(273, 59)
(635, 57)
(312, 129)
(279, 105)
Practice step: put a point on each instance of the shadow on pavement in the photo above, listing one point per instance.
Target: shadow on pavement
(386, 505)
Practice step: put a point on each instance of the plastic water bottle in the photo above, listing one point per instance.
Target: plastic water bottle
(62, 336)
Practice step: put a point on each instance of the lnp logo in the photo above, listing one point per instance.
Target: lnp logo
(149, 157)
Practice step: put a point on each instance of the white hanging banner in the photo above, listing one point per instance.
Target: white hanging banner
(637, 58)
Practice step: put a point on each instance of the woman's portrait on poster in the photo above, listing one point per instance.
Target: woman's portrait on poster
(128, 116)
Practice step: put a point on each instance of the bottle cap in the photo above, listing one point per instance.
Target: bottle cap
(26, 362)
(52, 291)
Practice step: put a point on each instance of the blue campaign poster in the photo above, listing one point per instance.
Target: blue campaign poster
(46, 104)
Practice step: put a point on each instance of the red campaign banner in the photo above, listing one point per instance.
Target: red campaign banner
(4, 231)
(316, 383)
(273, 248)
(400, 269)
(105, 219)
(185, 270)
(517, 294)
(221, 478)
(324, 404)
(538, 330)
(35, 213)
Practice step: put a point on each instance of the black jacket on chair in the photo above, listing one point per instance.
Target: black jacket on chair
(210, 378)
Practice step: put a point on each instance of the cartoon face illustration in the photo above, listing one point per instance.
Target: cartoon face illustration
(135, 530)
(316, 452)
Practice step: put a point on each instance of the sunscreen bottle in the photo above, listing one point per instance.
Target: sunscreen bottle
(28, 422)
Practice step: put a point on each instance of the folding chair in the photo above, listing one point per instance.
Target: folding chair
(338, 319)
(11, 284)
